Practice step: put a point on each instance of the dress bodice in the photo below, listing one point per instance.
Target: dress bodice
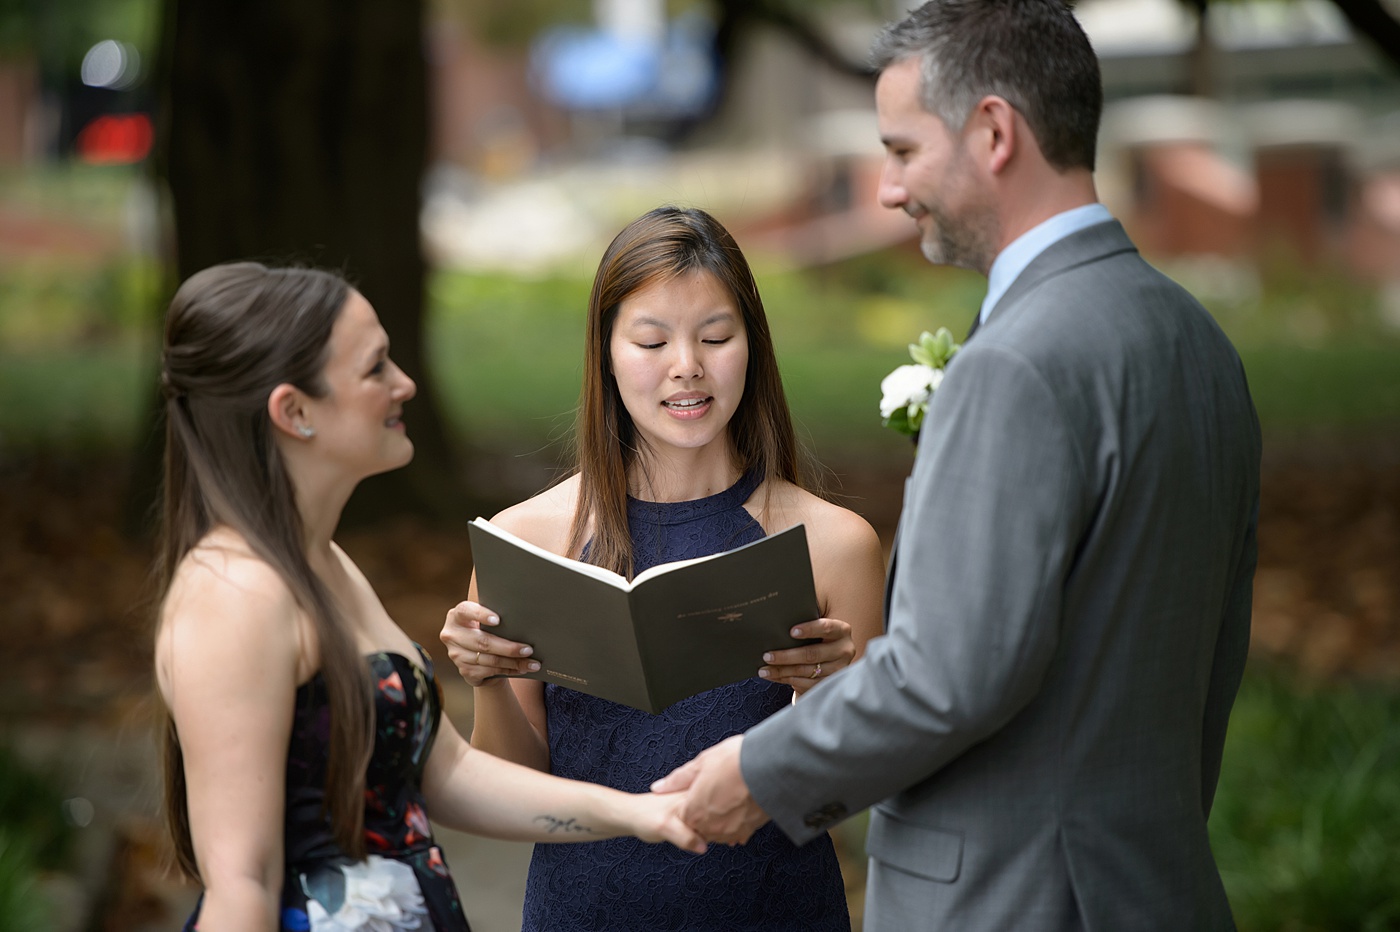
(407, 709)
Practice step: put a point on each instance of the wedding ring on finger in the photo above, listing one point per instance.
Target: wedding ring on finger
(477, 661)
(817, 672)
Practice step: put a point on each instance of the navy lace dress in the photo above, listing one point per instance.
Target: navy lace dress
(404, 882)
(768, 885)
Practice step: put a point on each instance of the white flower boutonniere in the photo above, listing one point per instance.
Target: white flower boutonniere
(906, 392)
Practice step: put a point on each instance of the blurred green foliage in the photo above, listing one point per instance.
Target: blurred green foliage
(508, 351)
(58, 33)
(48, 309)
(1306, 822)
(78, 349)
(31, 807)
(1307, 811)
(34, 837)
(22, 902)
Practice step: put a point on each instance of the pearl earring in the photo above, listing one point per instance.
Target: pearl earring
(306, 430)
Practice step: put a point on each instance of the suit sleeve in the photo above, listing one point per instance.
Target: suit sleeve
(992, 513)
(1231, 649)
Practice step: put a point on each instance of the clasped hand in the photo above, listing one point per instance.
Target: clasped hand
(717, 803)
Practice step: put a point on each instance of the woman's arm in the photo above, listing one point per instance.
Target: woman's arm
(508, 713)
(849, 572)
(228, 659)
(473, 791)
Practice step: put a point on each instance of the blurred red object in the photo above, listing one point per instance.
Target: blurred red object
(116, 139)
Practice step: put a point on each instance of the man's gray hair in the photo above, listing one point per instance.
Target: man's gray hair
(1031, 53)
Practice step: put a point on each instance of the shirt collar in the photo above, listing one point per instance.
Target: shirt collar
(1012, 260)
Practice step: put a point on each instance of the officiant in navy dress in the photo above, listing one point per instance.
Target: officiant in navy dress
(685, 448)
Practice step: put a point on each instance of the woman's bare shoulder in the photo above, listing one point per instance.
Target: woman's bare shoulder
(224, 566)
(225, 601)
(825, 521)
(544, 519)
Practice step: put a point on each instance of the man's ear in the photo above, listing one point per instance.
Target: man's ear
(286, 408)
(997, 120)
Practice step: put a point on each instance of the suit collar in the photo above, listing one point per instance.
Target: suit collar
(1087, 245)
(1022, 251)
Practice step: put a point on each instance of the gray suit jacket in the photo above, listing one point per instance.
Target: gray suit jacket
(1068, 618)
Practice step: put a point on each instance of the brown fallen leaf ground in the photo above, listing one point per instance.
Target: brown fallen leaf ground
(75, 634)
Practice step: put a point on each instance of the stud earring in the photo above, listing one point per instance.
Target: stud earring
(306, 430)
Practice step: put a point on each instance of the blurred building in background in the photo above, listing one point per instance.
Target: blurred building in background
(1272, 132)
(1295, 154)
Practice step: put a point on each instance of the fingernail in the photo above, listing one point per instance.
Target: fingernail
(797, 632)
(532, 667)
(526, 651)
(493, 619)
(763, 672)
(768, 658)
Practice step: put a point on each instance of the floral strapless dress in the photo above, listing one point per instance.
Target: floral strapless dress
(404, 884)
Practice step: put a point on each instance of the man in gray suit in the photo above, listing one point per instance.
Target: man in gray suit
(1040, 730)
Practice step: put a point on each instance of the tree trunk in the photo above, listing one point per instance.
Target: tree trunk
(1201, 79)
(297, 132)
(735, 19)
(1372, 19)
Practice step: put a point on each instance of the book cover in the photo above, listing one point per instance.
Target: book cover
(673, 631)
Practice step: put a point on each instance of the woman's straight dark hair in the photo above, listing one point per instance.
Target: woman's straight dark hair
(663, 244)
(233, 333)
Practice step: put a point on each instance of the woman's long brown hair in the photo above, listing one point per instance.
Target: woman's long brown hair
(666, 243)
(233, 333)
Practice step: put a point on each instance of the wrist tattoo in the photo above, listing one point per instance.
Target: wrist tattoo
(568, 826)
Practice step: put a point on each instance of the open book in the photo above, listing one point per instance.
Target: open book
(673, 631)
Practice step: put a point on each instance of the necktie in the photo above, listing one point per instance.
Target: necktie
(976, 322)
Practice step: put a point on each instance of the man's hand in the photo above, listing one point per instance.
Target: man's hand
(718, 804)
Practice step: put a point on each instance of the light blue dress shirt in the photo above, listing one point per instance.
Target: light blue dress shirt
(1012, 260)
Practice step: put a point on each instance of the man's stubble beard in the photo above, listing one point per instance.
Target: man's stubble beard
(965, 243)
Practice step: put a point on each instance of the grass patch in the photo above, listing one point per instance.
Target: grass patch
(22, 903)
(74, 399)
(508, 352)
(34, 837)
(76, 361)
(1307, 814)
(77, 343)
(508, 357)
(1347, 383)
(71, 189)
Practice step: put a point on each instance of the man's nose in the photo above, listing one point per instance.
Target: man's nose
(891, 192)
